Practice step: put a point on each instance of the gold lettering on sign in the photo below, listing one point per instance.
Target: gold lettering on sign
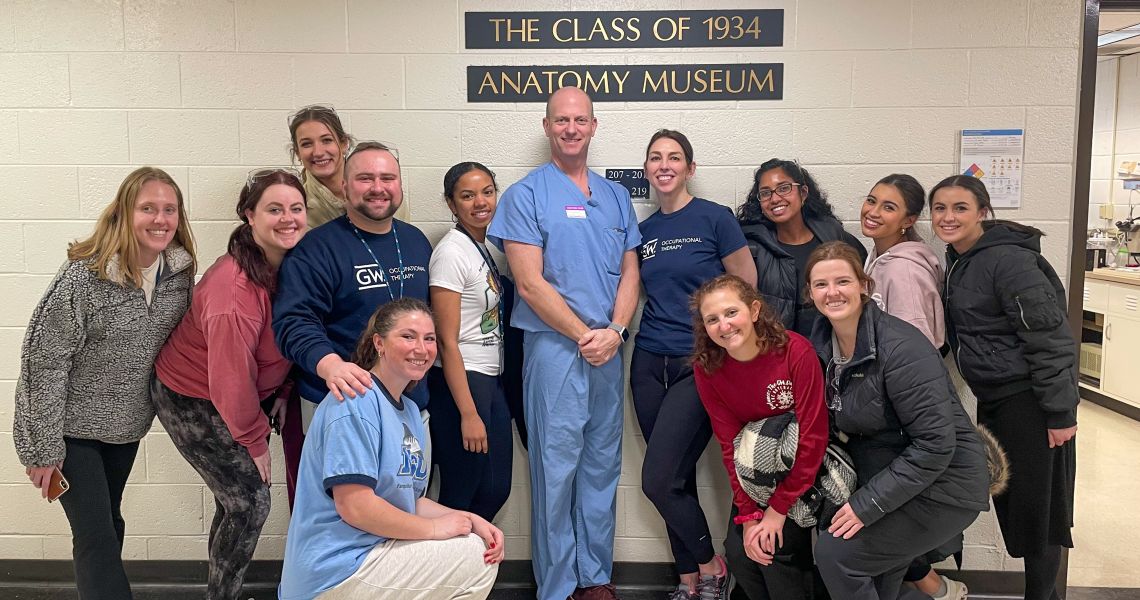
(707, 81)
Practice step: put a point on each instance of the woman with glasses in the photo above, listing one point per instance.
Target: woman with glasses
(686, 242)
(785, 217)
(471, 429)
(921, 467)
(747, 367)
(1008, 329)
(82, 403)
(217, 380)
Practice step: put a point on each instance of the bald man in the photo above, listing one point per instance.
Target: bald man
(570, 237)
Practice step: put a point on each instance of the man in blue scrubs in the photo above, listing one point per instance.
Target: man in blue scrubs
(570, 237)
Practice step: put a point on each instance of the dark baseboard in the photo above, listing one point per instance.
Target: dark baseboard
(1112, 404)
(52, 579)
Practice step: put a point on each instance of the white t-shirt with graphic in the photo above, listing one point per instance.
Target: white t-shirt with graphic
(458, 266)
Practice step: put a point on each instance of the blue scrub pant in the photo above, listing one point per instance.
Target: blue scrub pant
(574, 417)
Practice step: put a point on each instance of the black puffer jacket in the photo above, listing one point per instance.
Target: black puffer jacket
(906, 428)
(1006, 321)
(776, 269)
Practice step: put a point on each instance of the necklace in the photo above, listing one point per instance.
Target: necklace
(384, 273)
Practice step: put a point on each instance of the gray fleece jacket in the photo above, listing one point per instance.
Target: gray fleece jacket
(88, 356)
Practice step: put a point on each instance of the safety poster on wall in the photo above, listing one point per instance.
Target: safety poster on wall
(996, 156)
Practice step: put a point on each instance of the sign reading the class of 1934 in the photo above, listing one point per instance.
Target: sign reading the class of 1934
(626, 29)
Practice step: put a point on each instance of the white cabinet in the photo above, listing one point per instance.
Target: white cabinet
(1117, 308)
(1121, 354)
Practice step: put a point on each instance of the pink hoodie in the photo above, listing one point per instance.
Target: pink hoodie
(908, 285)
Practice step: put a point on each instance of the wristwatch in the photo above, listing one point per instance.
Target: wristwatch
(622, 331)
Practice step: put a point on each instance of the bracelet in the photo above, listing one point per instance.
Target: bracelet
(741, 519)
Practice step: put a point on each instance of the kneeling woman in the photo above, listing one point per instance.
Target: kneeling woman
(739, 348)
(921, 466)
(361, 522)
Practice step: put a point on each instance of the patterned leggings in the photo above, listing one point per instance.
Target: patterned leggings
(240, 497)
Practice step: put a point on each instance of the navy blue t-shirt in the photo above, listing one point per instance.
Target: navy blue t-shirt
(679, 252)
(329, 285)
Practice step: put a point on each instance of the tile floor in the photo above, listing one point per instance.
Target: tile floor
(1106, 536)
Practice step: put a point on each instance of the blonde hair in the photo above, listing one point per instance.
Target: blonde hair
(114, 236)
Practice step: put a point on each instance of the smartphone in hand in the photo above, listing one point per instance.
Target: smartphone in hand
(57, 486)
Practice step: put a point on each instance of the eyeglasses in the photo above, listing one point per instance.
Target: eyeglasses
(317, 109)
(781, 190)
(256, 174)
(372, 145)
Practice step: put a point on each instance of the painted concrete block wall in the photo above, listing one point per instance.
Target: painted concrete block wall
(90, 90)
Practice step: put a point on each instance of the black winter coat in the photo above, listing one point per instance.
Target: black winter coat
(907, 431)
(1006, 321)
(776, 269)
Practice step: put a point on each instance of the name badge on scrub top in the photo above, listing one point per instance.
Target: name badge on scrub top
(575, 212)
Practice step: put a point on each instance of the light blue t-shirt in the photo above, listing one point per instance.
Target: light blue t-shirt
(364, 440)
(582, 240)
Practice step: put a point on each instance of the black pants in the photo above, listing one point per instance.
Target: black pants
(97, 473)
(791, 576)
(241, 498)
(871, 565)
(471, 481)
(676, 430)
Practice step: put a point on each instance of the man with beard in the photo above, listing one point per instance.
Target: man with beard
(570, 237)
(329, 285)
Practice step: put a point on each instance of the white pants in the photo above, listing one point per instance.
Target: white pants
(309, 408)
(421, 570)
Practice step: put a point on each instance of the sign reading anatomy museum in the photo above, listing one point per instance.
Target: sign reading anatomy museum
(628, 29)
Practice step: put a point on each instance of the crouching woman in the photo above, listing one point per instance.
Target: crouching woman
(361, 525)
(920, 463)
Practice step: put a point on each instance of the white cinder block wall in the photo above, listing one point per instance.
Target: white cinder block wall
(90, 90)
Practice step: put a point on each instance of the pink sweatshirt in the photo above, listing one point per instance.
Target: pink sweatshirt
(224, 350)
(908, 286)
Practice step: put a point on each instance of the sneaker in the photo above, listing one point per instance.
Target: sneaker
(955, 590)
(596, 592)
(682, 593)
(715, 587)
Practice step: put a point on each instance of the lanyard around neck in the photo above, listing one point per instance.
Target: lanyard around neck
(379, 266)
(498, 284)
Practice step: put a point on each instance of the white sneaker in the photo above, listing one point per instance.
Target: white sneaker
(955, 590)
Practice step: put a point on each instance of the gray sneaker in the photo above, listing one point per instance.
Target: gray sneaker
(715, 587)
(682, 593)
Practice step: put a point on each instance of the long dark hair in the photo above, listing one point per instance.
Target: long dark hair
(382, 321)
(815, 205)
(981, 195)
(249, 256)
(770, 333)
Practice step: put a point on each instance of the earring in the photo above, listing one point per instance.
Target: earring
(454, 218)
(904, 231)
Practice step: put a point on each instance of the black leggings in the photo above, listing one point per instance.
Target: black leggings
(791, 576)
(471, 481)
(676, 430)
(241, 498)
(97, 473)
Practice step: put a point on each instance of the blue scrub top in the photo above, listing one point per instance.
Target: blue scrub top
(582, 240)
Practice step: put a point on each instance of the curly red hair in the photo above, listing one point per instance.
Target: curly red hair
(770, 333)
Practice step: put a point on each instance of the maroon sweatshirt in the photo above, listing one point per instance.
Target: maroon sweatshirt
(223, 350)
(768, 385)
